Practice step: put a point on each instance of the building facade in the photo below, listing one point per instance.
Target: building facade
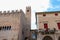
(48, 24)
(13, 25)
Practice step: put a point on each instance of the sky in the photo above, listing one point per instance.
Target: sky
(54, 5)
(36, 6)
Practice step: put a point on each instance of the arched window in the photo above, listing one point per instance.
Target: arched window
(47, 38)
(26, 38)
(4, 39)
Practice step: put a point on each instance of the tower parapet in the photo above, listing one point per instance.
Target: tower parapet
(13, 11)
(10, 12)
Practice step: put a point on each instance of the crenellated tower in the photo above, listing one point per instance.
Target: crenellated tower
(11, 25)
(28, 19)
(28, 15)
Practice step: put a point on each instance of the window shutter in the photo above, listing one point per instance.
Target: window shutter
(45, 25)
(58, 25)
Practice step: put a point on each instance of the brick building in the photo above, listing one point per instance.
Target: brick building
(14, 25)
(48, 24)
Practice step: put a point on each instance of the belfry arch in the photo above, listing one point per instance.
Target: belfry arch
(47, 38)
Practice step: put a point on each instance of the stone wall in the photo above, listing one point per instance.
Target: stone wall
(12, 19)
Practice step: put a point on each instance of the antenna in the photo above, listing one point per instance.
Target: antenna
(28, 2)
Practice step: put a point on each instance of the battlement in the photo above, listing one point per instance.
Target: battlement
(10, 12)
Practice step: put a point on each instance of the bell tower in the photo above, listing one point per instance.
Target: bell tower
(28, 14)
(28, 18)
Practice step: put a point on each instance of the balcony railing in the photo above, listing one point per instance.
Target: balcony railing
(47, 31)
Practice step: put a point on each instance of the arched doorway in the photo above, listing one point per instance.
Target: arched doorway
(47, 38)
(59, 38)
(26, 38)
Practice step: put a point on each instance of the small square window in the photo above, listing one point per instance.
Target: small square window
(5, 27)
(44, 14)
(8, 27)
(4, 39)
(56, 14)
(27, 10)
(0, 28)
(45, 25)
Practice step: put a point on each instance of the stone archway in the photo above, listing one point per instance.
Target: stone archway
(26, 38)
(47, 38)
(59, 38)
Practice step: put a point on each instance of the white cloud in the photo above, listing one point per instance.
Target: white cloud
(12, 4)
(37, 5)
(52, 7)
